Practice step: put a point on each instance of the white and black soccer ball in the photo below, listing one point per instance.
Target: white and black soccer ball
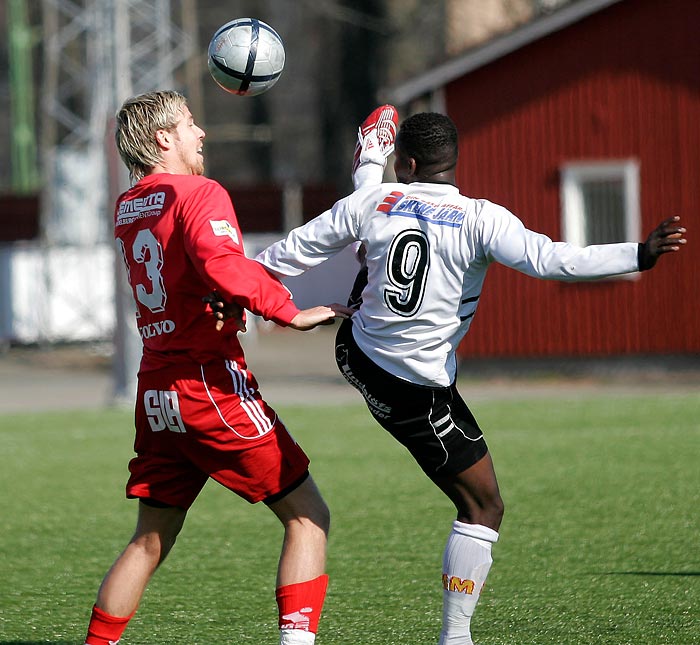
(246, 57)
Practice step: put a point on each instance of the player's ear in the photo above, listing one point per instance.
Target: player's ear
(164, 138)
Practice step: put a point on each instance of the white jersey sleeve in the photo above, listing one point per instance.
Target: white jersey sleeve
(314, 243)
(506, 241)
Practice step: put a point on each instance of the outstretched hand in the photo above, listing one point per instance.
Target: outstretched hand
(305, 320)
(323, 315)
(224, 311)
(667, 237)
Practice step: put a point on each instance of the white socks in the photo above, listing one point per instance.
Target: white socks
(466, 563)
(296, 637)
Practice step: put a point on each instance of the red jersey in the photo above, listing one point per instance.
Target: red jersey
(180, 240)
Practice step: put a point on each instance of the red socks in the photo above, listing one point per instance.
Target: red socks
(300, 604)
(105, 629)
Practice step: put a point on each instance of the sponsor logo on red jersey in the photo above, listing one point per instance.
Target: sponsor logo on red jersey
(224, 228)
(131, 210)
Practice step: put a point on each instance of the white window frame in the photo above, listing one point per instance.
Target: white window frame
(574, 173)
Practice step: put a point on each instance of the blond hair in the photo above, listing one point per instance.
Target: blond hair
(138, 120)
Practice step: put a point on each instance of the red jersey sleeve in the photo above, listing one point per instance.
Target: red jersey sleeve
(214, 243)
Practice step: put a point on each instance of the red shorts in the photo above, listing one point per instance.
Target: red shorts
(199, 421)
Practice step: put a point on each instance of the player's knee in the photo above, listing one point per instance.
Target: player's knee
(319, 519)
(155, 545)
(310, 530)
(322, 517)
(167, 543)
(314, 511)
(151, 547)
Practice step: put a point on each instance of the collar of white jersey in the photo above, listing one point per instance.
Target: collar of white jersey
(443, 185)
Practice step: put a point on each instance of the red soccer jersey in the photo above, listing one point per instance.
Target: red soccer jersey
(180, 240)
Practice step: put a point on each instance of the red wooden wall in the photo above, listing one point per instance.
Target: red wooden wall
(624, 82)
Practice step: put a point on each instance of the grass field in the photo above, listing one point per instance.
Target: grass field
(600, 543)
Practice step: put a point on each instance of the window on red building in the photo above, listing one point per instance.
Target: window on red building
(600, 201)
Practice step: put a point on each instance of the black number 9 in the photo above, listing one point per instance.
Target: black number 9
(407, 270)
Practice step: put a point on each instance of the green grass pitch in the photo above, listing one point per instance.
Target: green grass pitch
(600, 542)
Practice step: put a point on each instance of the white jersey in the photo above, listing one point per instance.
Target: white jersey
(428, 249)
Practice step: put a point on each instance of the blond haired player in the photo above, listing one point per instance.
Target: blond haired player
(199, 414)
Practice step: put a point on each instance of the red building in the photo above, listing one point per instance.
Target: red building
(586, 124)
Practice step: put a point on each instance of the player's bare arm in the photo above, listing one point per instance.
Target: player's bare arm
(305, 320)
(323, 315)
(667, 237)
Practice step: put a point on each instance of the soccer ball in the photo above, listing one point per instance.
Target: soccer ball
(246, 57)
